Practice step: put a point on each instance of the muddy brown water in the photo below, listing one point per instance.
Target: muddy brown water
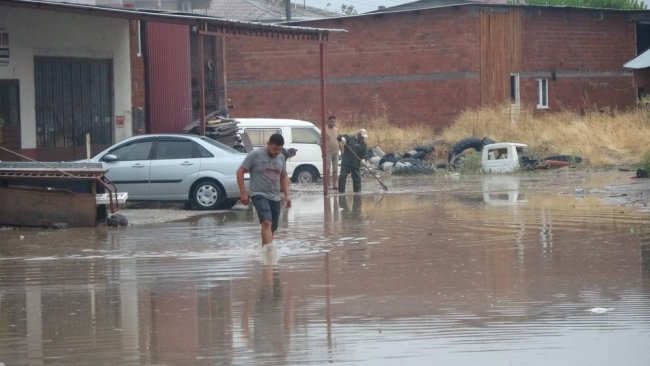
(446, 270)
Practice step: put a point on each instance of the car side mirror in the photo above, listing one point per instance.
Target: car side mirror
(109, 158)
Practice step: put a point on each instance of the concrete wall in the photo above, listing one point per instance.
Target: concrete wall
(52, 34)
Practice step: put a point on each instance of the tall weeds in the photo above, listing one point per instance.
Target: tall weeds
(381, 132)
(604, 138)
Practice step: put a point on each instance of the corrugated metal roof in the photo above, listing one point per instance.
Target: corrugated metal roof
(642, 61)
(263, 11)
(433, 4)
(437, 4)
(164, 16)
(427, 4)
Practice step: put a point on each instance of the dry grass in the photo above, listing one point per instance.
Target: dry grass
(603, 138)
(607, 138)
(381, 132)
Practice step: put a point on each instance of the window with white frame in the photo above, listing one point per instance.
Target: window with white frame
(542, 93)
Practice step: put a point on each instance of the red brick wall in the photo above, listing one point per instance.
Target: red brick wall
(428, 62)
(424, 67)
(587, 56)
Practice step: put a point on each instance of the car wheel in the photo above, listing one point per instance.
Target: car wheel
(305, 175)
(207, 195)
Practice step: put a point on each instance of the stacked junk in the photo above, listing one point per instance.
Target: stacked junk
(420, 161)
(408, 163)
(217, 127)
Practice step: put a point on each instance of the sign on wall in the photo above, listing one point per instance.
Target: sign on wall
(4, 47)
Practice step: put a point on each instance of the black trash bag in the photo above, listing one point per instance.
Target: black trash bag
(567, 158)
(468, 143)
(421, 155)
(412, 161)
(426, 149)
(390, 157)
(487, 141)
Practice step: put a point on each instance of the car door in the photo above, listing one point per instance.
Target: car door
(307, 141)
(176, 163)
(130, 172)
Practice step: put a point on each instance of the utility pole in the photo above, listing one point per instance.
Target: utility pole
(287, 5)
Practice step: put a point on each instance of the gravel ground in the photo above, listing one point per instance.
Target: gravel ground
(635, 194)
(154, 213)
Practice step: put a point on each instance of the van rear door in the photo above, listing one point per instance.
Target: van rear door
(307, 141)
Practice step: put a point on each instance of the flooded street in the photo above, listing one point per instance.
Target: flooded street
(482, 270)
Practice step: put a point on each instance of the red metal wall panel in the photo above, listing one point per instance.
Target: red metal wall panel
(168, 65)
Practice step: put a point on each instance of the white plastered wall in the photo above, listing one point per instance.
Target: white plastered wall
(55, 34)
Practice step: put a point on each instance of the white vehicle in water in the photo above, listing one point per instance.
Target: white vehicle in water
(307, 165)
(502, 157)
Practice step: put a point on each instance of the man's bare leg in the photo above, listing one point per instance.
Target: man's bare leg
(267, 233)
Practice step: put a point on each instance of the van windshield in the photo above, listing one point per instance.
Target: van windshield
(218, 144)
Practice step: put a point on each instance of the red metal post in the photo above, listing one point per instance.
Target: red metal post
(326, 176)
(202, 84)
(224, 76)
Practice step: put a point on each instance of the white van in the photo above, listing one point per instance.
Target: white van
(307, 165)
(502, 157)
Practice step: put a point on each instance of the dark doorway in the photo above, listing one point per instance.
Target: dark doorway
(73, 97)
(642, 37)
(10, 114)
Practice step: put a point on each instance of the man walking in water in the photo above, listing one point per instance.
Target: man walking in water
(268, 172)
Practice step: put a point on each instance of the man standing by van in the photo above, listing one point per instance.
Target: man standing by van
(332, 150)
(268, 177)
(354, 150)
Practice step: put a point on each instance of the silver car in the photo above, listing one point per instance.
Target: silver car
(167, 167)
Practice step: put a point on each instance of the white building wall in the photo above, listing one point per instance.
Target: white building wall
(47, 33)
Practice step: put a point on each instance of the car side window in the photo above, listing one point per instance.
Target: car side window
(134, 151)
(175, 149)
(304, 136)
(260, 136)
(202, 151)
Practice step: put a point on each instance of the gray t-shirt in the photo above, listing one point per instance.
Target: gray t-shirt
(265, 172)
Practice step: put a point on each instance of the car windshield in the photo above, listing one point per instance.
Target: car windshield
(218, 144)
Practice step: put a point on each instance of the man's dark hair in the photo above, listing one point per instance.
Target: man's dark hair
(277, 139)
(331, 117)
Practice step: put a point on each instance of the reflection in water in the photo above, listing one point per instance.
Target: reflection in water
(271, 316)
(407, 275)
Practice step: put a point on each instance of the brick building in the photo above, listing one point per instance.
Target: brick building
(426, 64)
(67, 70)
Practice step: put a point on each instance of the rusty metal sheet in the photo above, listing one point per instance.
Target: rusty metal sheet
(170, 79)
(43, 208)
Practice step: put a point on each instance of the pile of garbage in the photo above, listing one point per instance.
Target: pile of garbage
(217, 128)
(410, 162)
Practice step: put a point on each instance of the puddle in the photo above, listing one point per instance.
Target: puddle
(465, 271)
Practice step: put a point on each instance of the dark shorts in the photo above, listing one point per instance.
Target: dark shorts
(267, 210)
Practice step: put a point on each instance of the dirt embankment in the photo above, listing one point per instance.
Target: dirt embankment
(634, 194)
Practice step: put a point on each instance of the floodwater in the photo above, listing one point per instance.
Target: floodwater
(496, 270)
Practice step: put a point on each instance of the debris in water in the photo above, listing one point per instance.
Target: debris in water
(600, 310)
